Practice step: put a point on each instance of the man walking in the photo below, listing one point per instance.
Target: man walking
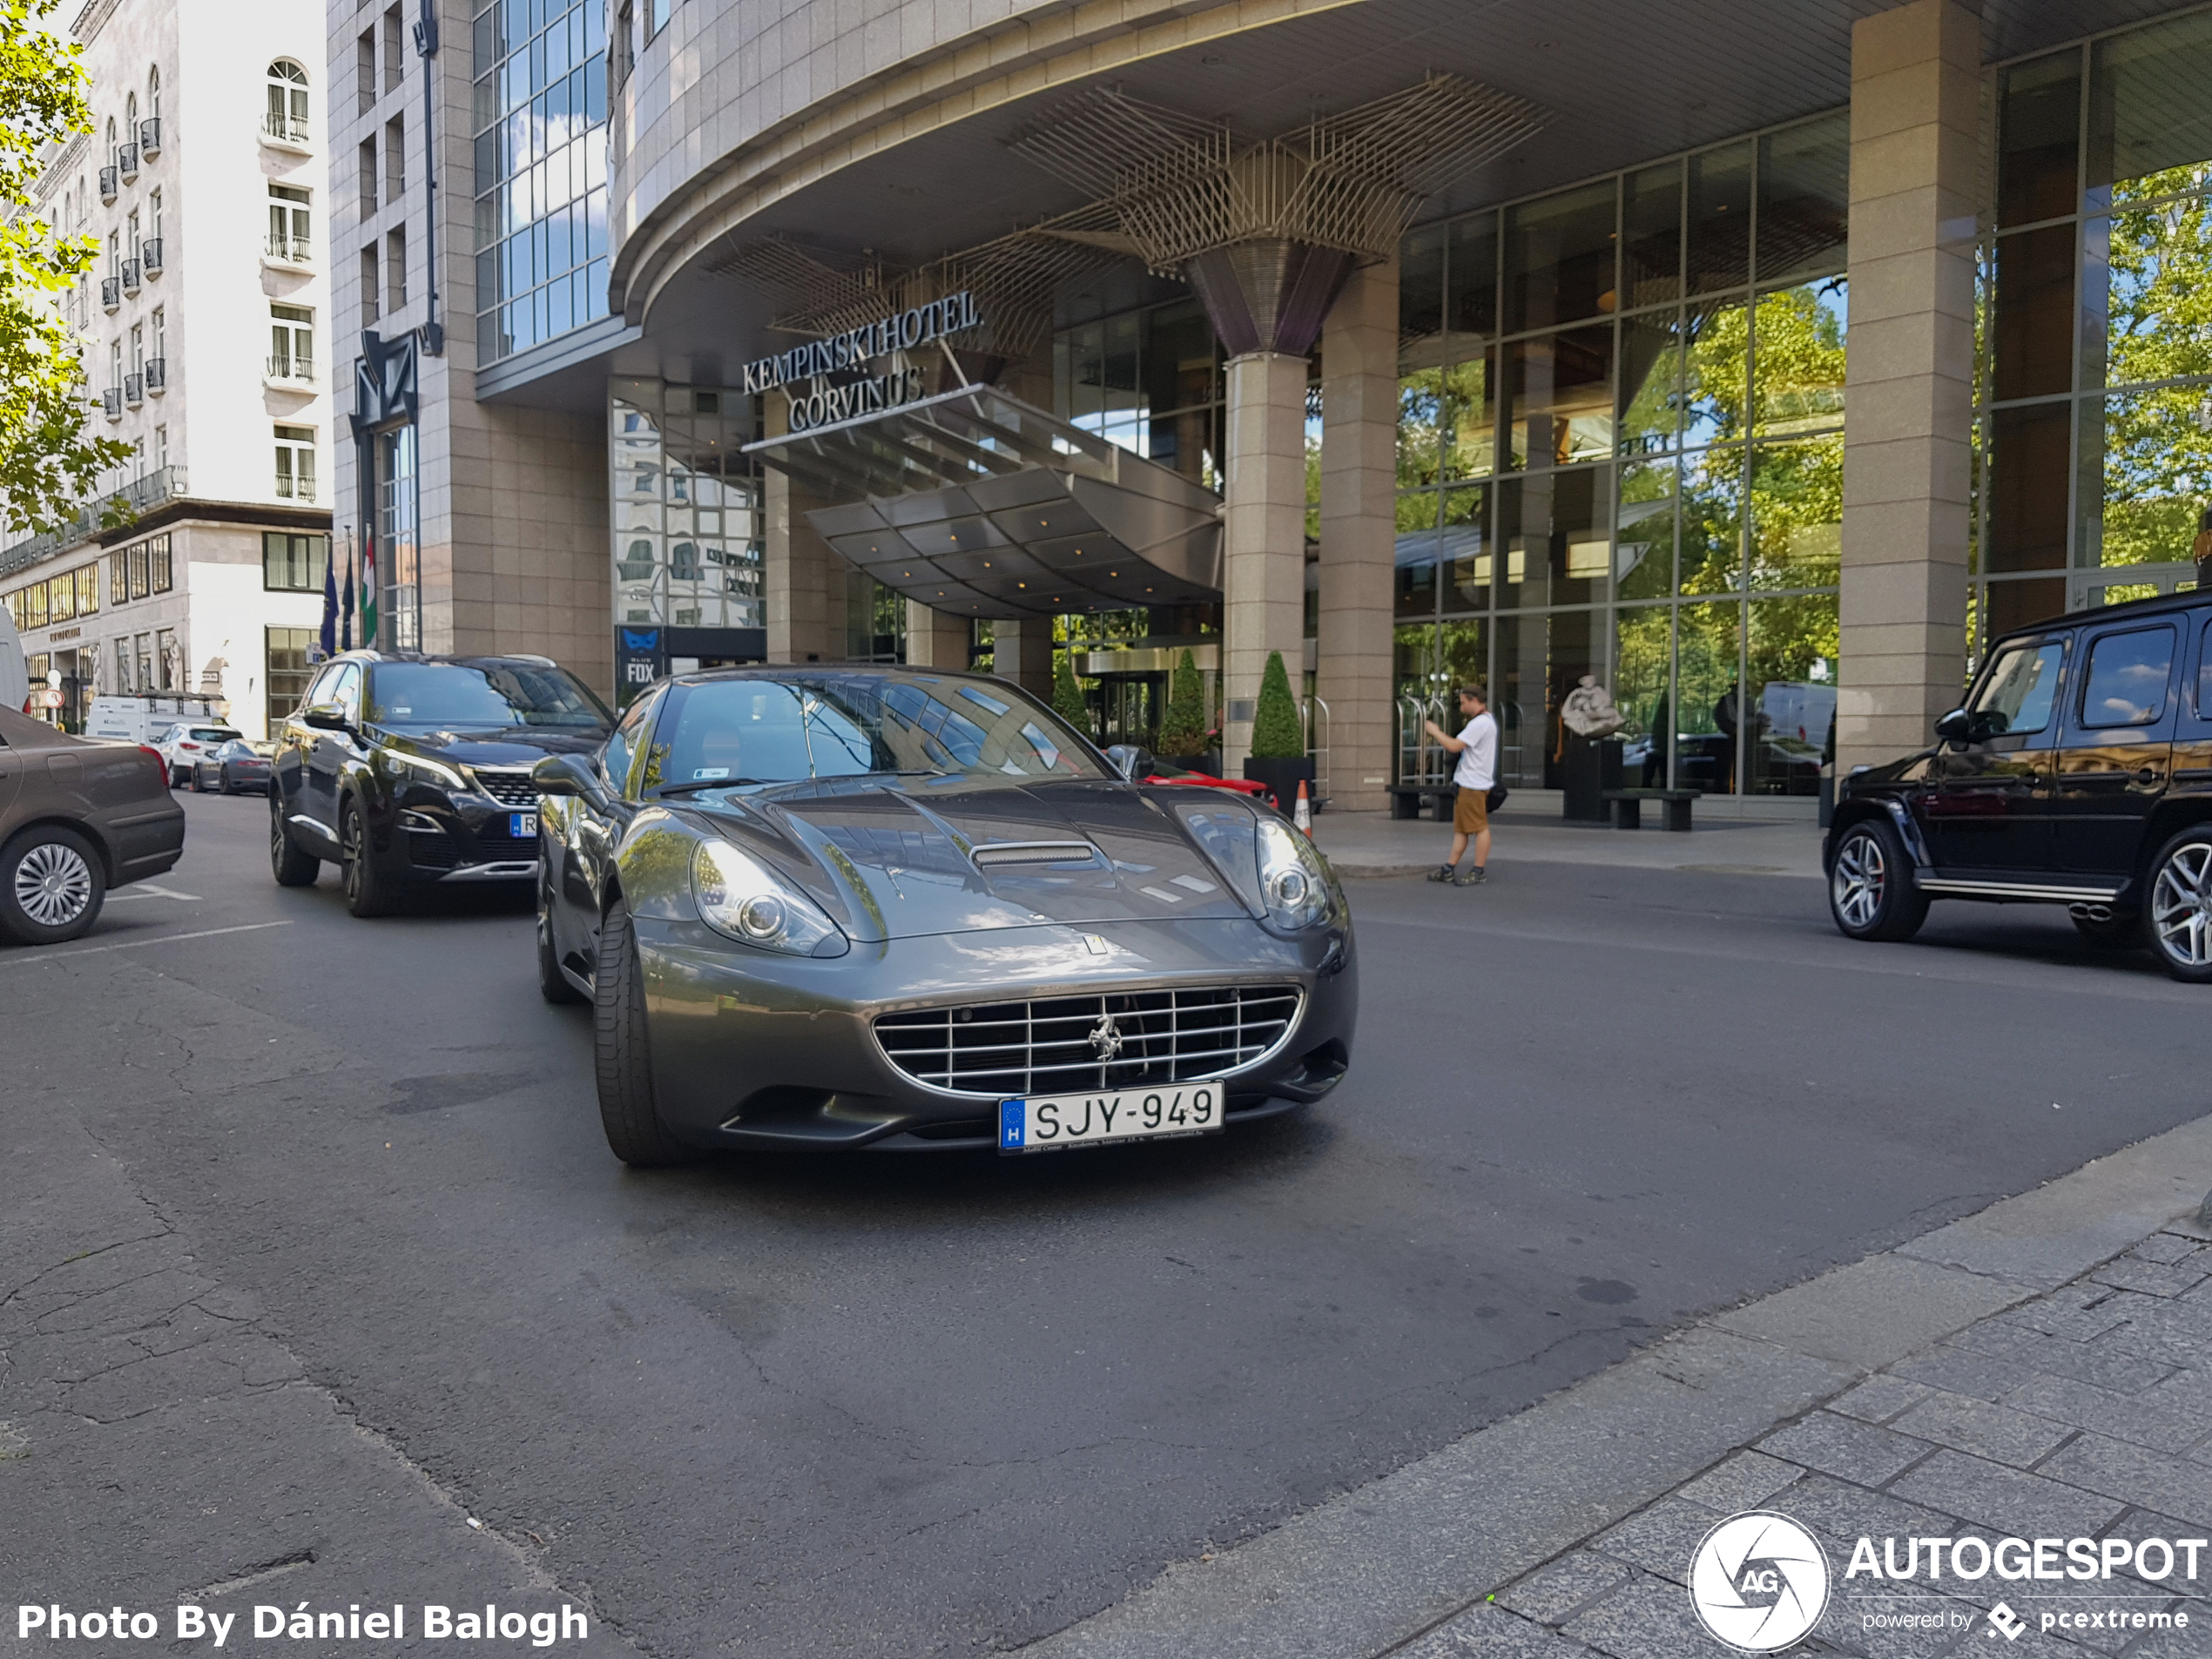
(1477, 748)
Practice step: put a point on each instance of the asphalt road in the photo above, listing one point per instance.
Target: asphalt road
(314, 1251)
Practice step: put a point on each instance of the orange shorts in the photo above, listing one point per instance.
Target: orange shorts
(1470, 812)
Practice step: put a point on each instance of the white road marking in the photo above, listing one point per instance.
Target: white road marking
(148, 890)
(10, 960)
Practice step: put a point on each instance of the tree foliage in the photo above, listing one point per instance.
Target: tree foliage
(1183, 729)
(1068, 700)
(1276, 732)
(48, 461)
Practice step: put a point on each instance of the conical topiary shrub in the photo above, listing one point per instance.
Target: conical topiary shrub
(1183, 730)
(1068, 700)
(1277, 734)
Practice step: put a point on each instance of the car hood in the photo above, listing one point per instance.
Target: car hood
(518, 746)
(893, 858)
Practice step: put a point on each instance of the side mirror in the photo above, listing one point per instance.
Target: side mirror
(1958, 727)
(1132, 760)
(567, 775)
(324, 716)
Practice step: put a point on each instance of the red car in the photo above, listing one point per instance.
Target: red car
(1165, 771)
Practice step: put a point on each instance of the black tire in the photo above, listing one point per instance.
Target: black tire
(52, 885)
(623, 1059)
(369, 892)
(224, 786)
(2177, 907)
(552, 984)
(292, 867)
(1870, 891)
(2114, 932)
(192, 782)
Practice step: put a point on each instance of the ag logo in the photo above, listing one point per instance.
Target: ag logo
(1759, 1581)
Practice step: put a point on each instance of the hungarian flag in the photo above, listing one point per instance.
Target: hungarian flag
(329, 610)
(346, 610)
(369, 591)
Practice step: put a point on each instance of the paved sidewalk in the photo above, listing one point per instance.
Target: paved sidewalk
(2041, 1370)
(1374, 844)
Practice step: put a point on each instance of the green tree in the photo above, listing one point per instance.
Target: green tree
(1068, 700)
(1183, 731)
(1277, 734)
(48, 462)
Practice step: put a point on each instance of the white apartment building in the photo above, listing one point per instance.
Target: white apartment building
(206, 331)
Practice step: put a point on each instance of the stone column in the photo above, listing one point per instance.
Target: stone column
(798, 566)
(1359, 535)
(1264, 536)
(1021, 652)
(1914, 136)
(935, 638)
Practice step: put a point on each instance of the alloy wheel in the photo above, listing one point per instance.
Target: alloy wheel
(349, 849)
(53, 884)
(2181, 905)
(1858, 880)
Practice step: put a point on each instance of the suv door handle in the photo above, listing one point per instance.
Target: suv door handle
(2148, 775)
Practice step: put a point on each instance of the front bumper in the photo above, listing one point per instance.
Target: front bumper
(754, 1050)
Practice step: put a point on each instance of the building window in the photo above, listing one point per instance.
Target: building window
(286, 670)
(157, 570)
(295, 462)
(687, 538)
(394, 159)
(292, 562)
(368, 284)
(286, 117)
(87, 578)
(365, 71)
(292, 343)
(168, 664)
(368, 177)
(395, 269)
(119, 654)
(394, 59)
(656, 15)
(160, 447)
(118, 580)
(288, 224)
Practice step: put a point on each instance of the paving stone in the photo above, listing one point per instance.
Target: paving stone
(1649, 1619)
(2029, 1506)
(1838, 1446)
(2154, 1479)
(2171, 1644)
(1879, 1398)
(2077, 1312)
(1556, 1589)
(1994, 1432)
(2165, 1247)
(1962, 1372)
(1995, 1337)
(2151, 1279)
(1744, 1481)
(1488, 1632)
(2108, 1363)
(2139, 1418)
(1846, 1513)
(1660, 1539)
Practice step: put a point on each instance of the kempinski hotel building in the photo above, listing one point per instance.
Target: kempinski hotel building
(1755, 359)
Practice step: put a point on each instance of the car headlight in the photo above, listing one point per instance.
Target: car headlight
(437, 772)
(740, 896)
(1293, 884)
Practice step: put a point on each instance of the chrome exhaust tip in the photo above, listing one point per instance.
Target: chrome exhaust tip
(2089, 912)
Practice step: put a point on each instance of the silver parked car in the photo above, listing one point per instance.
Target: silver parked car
(891, 908)
(76, 818)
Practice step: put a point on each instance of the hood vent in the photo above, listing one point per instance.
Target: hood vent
(999, 853)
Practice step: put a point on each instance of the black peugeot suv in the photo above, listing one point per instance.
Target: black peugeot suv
(411, 771)
(2077, 772)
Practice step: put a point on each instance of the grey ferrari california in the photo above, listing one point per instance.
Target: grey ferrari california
(852, 907)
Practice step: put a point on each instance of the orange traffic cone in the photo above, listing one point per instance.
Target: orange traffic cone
(1304, 816)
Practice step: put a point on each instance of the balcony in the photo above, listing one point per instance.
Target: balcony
(295, 252)
(112, 402)
(130, 276)
(165, 483)
(134, 388)
(285, 131)
(127, 162)
(157, 374)
(111, 294)
(108, 186)
(291, 488)
(149, 136)
(293, 372)
(149, 255)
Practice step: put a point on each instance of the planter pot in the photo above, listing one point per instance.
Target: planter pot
(1282, 778)
(1209, 762)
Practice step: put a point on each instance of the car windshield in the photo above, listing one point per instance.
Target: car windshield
(211, 734)
(730, 732)
(443, 697)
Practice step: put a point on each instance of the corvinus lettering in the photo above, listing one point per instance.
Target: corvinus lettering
(304, 1622)
(1969, 1557)
(835, 403)
(901, 331)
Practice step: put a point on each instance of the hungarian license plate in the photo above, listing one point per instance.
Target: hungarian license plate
(1047, 1123)
(522, 827)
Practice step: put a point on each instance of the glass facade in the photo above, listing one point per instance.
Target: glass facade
(399, 623)
(2094, 420)
(687, 508)
(1150, 381)
(1619, 455)
(540, 165)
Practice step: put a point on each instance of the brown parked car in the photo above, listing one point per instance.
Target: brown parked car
(76, 818)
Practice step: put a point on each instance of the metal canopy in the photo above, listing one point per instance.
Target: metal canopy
(974, 503)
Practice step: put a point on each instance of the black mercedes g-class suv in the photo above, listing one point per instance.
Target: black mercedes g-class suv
(2079, 773)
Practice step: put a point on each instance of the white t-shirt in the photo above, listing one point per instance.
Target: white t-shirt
(1478, 767)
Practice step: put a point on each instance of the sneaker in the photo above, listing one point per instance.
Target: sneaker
(1442, 872)
(1473, 878)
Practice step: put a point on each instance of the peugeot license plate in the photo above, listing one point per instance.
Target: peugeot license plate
(522, 825)
(1047, 1123)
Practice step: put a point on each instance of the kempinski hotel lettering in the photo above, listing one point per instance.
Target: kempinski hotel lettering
(901, 331)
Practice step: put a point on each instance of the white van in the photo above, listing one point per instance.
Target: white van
(142, 716)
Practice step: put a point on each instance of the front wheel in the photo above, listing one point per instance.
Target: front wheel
(632, 1121)
(1870, 891)
(51, 886)
(292, 867)
(369, 892)
(2178, 918)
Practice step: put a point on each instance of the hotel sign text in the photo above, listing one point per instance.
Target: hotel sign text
(901, 331)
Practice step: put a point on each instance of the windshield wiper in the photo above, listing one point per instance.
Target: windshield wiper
(715, 783)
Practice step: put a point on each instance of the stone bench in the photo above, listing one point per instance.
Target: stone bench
(1628, 806)
(1406, 800)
